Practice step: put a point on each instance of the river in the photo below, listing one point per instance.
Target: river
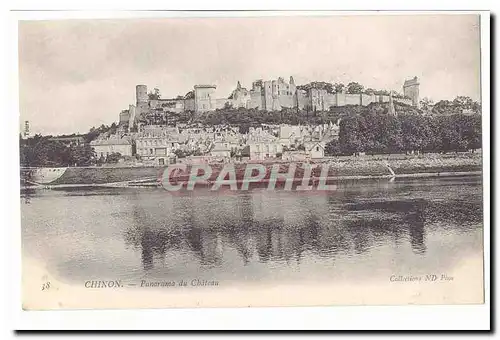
(362, 230)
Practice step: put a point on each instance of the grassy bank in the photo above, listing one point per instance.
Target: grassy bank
(338, 166)
(403, 164)
(101, 175)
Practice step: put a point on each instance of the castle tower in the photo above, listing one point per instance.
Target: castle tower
(411, 90)
(142, 100)
(204, 98)
(141, 94)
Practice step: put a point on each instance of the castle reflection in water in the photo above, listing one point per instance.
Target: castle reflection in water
(282, 226)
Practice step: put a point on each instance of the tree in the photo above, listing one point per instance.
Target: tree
(460, 104)
(113, 157)
(332, 148)
(355, 88)
(81, 155)
(473, 133)
(155, 95)
(338, 87)
(426, 104)
(350, 136)
(415, 133)
(320, 85)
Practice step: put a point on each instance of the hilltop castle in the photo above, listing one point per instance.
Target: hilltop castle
(270, 95)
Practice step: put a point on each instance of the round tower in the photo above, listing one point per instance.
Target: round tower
(141, 94)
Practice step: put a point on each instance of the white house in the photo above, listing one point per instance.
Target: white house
(315, 149)
(107, 146)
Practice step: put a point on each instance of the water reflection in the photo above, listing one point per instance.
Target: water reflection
(281, 226)
(359, 229)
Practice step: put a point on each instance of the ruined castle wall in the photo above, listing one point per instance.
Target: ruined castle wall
(383, 99)
(339, 99)
(132, 115)
(171, 105)
(329, 100)
(287, 101)
(267, 96)
(302, 100)
(406, 101)
(221, 102)
(352, 99)
(141, 109)
(255, 99)
(124, 116)
(367, 99)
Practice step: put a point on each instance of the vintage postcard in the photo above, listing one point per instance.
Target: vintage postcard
(229, 160)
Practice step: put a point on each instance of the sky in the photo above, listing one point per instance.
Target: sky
(75, 74)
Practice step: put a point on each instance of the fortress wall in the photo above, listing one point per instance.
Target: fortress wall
(132, 117)
(352, 99)
(367, 99)
(287, 101)
(268, 96)
(241, 101)
(124, 116)
(404, 101)
(141, 109)
(383, 99)
(302, 100)
(255, 100)
(329, 100)
(221, 102)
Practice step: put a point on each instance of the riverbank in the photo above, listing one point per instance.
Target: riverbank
(401, 164)
(339, 168)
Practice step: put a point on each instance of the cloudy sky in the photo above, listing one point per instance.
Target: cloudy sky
(81, 73)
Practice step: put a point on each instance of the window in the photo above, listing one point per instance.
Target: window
(317, 148)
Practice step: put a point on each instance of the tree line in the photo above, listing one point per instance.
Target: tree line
(44, 151)
(375, 134)
(351, 88)
(41, 151)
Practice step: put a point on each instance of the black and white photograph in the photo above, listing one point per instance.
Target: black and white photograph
(251, 160)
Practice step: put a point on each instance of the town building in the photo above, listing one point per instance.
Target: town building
(221, 152)
(315, 150)
(157, 144)
(263, 145)
(103, 147)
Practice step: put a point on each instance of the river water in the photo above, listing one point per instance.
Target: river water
(362, 230)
